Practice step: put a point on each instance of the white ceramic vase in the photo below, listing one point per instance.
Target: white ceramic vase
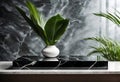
(50, 51)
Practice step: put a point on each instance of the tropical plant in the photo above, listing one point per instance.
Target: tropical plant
(51, 31)
(115, 18)
(108, 48)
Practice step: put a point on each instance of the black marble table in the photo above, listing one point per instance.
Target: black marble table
(73, 62)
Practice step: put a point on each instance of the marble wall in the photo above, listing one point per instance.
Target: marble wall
(18, 39)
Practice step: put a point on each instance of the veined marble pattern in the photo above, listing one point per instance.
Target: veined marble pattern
(18, 39)
(73, 62)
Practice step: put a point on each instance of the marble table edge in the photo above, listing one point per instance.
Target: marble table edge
(113, 68)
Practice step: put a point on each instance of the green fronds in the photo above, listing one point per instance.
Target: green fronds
(115, 17)
(108, 48)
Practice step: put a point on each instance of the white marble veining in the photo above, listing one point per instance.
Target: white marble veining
(113, 68)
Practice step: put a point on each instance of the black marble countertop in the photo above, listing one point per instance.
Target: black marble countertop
(113, 68)
(68, 63)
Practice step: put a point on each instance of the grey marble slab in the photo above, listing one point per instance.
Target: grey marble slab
(18, 39)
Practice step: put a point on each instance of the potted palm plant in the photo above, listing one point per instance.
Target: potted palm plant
(50, 32)
(109, 49)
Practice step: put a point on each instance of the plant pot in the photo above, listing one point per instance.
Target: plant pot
(50, 51)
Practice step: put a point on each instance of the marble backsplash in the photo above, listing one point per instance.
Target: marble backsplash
(18, 39)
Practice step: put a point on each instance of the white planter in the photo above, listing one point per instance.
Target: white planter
(50, 51)
(114, 65)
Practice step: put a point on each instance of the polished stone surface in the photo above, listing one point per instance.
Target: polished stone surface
(113, 68)
(75, 63)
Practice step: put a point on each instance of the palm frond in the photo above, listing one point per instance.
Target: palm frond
(108, 48)
(112, 17)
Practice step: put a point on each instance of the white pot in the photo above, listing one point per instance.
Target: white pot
(114, 65)
(50, 51)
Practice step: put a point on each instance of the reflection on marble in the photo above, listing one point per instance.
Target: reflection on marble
(50, 59)
(76, 62)
(18, 39)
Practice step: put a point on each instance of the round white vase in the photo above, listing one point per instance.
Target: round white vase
(50, 51)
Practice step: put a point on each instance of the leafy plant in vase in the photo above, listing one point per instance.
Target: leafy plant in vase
(50, 33)
(108, 48)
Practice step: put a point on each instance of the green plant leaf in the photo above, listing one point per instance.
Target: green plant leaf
(52, 26)
(115, 19)
(36, 28)
(62, 28)
(34, 14)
